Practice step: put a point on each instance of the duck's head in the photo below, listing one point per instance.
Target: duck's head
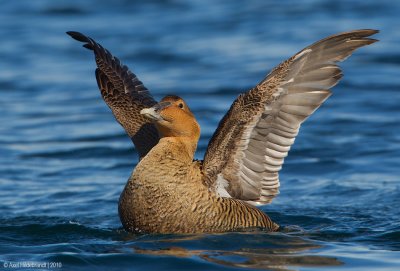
(173, 118)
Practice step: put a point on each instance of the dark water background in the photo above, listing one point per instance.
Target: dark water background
(64, 160)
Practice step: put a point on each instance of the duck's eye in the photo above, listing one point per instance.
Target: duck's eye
(180, 105)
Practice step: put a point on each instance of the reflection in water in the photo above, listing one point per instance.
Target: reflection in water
(264, 259)
(275, 252)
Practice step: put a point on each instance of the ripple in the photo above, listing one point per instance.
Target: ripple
(64, 160)
(42, 230)
(84, 152)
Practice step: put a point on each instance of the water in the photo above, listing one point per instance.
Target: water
(64, 160)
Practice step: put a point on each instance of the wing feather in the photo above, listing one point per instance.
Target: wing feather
(247, 150)
(124, 94)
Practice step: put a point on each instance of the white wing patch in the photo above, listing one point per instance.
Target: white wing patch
(222, 186)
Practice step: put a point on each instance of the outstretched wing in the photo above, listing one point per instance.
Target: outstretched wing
(124, 94)
(247, 150)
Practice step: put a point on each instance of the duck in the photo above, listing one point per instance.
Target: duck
(171, 192)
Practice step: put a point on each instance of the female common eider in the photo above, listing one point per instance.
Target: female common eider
(169, 192)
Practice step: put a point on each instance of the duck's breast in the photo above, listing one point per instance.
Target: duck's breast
(162, 195)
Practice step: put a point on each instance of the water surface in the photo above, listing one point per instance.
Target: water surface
(64, 160)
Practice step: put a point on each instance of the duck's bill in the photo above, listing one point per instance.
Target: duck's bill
(153, 113)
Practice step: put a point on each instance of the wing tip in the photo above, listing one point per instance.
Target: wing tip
(361, 33)
(369, 41)
(364, 34)
(368, 31)
(82, 38)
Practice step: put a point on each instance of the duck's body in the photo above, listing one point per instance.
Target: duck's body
(169, 192)
(165, 194)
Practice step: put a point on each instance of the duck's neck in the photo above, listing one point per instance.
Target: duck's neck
(182, 148)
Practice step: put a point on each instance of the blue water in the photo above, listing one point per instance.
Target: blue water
(64, 160)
